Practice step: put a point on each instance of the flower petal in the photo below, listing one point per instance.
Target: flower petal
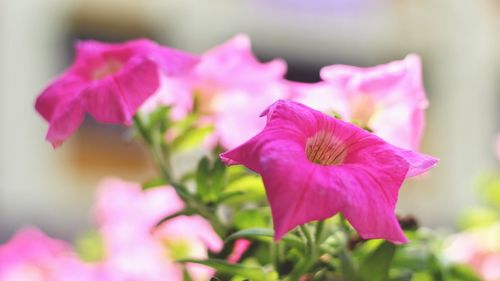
(298, 191)
(190, 228)
(65, 121)
(419, 163)
(388, 98)
(117, 98)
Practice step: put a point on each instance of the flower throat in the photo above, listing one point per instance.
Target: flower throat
(325, 149)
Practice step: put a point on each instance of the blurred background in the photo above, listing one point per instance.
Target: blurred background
(54, 189)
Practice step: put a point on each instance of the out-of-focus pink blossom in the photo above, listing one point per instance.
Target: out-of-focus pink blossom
(239, 248)
(228, 88)
(126, 217)
(478, 248)
(314, 166)
(389, 99)
(32, 256)
(190, 237)
(137, 249)
(107, 81)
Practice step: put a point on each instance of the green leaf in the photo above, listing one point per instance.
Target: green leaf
(203, 179)
(236, 172)
(251, 185)
(159, 119)
(250, 218)
(404, 276)
(185, 123)
(252, 233)
(463, 273)
(347, 267)
(252, 273)
(153, 183)
(265, 234)
(228, 195)
(218, 177)
(191, 138)
(375, 266)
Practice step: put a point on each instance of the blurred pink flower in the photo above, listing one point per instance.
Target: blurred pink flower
(32, 256)
(228, 88)
(138, 250)
(126, 216)
(314, 166)
(478, 248)
(389, 98)
(240, 247)
(108, 81)
(190, 237)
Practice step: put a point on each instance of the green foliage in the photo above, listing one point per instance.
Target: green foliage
(210, 179)
(267, 235)
(249, 184)
(250, 218)
(153, 183)
(191, 138)
(233, 199)
(347, 266)
(159, 119)
(462, 273)
(375, 266)
(251, 273)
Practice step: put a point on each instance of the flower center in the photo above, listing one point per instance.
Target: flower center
(109, 67)
(325, 149)
(178, 249)
(363, 108)
(206, 101)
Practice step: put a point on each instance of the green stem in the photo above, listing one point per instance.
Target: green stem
(141, 128)
(161, 157)
(320, 225)
(307, 234)
(309, 257)
(275, 255)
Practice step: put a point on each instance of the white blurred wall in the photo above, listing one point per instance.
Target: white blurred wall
(459, 44)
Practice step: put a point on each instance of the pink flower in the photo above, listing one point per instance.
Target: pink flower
(229, 87)
(240, 247)
(32, 256)
(126, 217)
(389, 99)
(108, 81)
(314, 166)
(478, 248)
(190, 237)
(138, 250)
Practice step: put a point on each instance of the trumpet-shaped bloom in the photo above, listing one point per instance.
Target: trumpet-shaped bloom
(389, 99)
(227, 88)
(32, 256)
(314, 166)
(107, 81)
(138, 250)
